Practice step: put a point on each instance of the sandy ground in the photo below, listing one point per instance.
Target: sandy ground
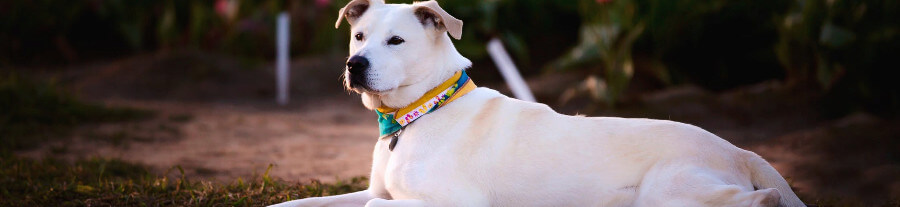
(224, 141)
(216, 118)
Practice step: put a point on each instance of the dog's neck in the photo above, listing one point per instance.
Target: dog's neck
(447, 62)
(392, 121)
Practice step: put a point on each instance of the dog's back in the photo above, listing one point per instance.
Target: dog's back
(527, 154)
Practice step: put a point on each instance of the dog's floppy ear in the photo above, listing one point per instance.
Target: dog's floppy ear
(353, 10)
(430, 12)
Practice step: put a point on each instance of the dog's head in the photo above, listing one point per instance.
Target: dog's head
(399, 51)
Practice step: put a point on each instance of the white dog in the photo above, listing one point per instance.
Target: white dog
(473, 146)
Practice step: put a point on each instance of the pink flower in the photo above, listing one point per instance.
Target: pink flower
(322, 3)
(227, 8)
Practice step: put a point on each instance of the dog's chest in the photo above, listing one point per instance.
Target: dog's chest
(414, 167)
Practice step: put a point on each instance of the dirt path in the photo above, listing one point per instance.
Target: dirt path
(330, 140)
(215, 117)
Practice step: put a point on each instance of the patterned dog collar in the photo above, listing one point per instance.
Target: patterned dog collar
(393, 120)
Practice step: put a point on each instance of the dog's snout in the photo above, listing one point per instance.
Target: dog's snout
(357, 64)
(356, 72)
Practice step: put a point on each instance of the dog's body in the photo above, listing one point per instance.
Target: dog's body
(485, 149)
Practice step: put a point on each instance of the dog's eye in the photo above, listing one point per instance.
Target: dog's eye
(395, 40)
(359, 36)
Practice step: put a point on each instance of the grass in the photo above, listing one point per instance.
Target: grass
(110, 182)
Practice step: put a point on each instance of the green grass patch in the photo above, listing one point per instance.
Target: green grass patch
(110, 182)
(32, 112)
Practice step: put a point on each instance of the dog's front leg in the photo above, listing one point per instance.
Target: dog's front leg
(470, 201)
(379, 202)
(351, 199)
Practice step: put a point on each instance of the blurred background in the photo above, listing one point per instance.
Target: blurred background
(189, 86)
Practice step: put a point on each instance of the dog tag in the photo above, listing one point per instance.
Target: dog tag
(394, 140)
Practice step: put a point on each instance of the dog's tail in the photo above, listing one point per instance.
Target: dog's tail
(764, 176)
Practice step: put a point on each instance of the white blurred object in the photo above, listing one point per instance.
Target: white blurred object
(281, 62)
(510, 74)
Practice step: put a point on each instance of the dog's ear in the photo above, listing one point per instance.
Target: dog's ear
(430, 12)
(353, 10)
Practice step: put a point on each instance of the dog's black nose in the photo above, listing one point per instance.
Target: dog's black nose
(357, 64)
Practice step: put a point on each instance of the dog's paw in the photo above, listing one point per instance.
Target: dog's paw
(766, 198)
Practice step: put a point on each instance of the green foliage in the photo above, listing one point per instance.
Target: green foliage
(609, 31)
(844, 47)
(49, 32)
(195, 24)
(32, 112)
(131, 19)
(715, 44)
(110, 182)
(841, 46)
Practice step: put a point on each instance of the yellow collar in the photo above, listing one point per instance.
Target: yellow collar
(392, 120)
(467, 86)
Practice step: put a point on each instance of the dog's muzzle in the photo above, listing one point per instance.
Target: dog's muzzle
(356, 72)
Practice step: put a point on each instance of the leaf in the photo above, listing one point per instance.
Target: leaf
(589, 50)
(84, 189)
(835, 36)
(518, 47)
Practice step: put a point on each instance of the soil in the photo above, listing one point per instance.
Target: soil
(216, 118)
